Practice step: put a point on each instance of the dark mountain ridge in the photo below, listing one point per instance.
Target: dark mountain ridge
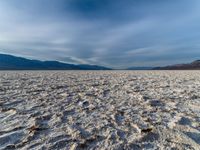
(9, 62)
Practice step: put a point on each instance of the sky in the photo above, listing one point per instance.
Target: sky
(111, 33)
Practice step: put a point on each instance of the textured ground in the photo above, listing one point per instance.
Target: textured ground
(100, 110)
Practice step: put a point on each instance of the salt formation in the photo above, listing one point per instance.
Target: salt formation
(100, 110)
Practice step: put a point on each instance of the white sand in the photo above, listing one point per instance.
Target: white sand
(100, 110)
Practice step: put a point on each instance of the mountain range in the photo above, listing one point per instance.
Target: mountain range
(9, 62)
(195, 65)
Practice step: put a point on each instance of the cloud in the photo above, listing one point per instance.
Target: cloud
(117, 34)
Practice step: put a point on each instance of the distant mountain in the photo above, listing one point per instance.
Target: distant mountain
(9, 62)
(139, 68)
(195, 65)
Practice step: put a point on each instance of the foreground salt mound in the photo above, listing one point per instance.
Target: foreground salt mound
(100, 110)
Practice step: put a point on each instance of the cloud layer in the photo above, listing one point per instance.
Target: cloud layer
(116, 33)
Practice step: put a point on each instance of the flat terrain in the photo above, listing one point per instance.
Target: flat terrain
(100, 110)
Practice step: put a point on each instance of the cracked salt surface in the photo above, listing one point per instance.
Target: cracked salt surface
(100, 110)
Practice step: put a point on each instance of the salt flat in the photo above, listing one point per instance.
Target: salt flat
(100, 110)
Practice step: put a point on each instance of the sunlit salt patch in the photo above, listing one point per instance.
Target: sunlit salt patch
(11, 139)
(7, 115)
(64, 94)
(10, 125)
(6, 112)
(11, 122)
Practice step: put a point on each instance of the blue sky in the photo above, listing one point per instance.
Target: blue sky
(112, 33)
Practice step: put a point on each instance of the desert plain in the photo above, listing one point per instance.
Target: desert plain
(103, 110)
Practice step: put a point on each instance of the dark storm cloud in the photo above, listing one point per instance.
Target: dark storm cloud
(118, 33)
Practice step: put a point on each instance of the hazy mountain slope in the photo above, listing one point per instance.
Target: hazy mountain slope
(139, 68)
(195, 65)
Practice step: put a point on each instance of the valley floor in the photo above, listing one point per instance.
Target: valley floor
(100, 110)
